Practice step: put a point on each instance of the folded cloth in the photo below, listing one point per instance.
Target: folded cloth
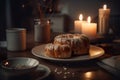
(112, 65)
(113, 62)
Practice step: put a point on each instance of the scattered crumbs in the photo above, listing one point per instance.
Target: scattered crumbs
(64, 68)
(73, 74)
(65, 77)
(66, 73)
(55, 70)
(59, 72)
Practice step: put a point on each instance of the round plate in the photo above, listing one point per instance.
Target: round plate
(94, 52)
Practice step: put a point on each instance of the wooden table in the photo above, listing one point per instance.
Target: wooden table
(86, 70)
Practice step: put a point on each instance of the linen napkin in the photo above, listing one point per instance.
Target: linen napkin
(112, 65)
(113, 62)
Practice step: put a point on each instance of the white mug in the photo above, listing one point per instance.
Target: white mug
(16, 39)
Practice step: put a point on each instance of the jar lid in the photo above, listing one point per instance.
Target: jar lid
(15, 29)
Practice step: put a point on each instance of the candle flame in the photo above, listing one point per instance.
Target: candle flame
(81, 17)
(48, 21)
(104, 6)
(6, 63)
(89, 19)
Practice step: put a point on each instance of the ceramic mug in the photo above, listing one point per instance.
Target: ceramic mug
(16, 39)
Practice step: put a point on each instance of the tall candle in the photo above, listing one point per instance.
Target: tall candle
(90, 29)
(78, 24)
(103, 20)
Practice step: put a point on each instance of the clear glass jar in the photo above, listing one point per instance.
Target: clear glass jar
(42, 31)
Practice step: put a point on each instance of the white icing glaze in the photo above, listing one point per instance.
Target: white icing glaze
(64, 44)
(49, 46)
(56, 46)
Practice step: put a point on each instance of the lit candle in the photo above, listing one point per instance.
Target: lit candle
(103, 20)
(90, 29)
(78, 24)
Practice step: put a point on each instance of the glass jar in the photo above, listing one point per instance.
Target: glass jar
(42, 31)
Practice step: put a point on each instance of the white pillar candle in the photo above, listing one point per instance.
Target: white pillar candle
(90, 29)
(103, 20)
(78, 24)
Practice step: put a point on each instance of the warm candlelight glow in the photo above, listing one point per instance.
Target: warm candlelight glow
(6, 63)
(81, 17)
(48, 21)
(104, 6)
(89, 19)
(88, 74)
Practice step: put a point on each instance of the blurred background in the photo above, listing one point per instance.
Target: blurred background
(21, 13)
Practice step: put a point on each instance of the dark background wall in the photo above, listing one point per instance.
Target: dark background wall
(73, 8)
(16, 14)
(2, 20)
(87, 7)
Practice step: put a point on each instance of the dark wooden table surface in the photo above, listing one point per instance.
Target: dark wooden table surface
(83, 70)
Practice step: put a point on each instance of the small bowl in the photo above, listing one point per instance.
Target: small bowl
(20, 64)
